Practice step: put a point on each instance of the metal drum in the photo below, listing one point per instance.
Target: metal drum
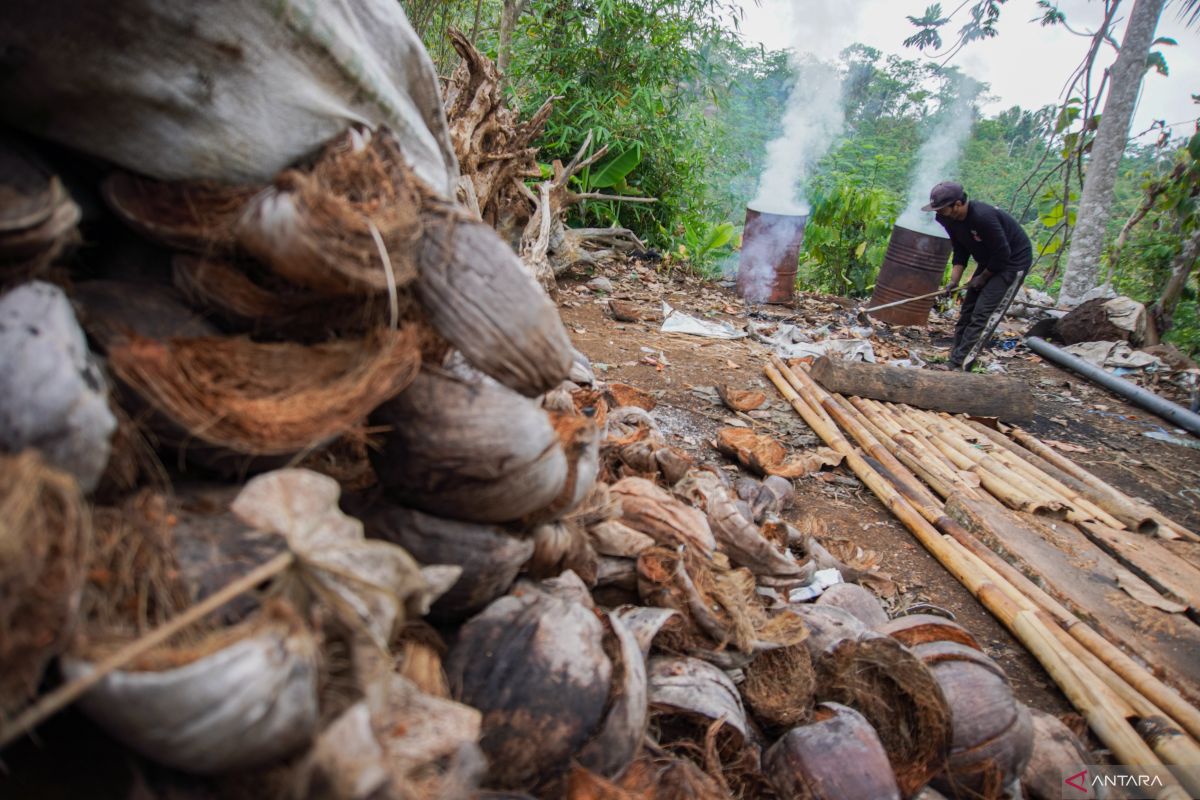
(914, 265)
(770, 254)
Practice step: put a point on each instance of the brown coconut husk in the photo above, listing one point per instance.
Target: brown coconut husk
(780, 686)
(895, 691)
(579, 439)
(45, 539)
(663, 777)
(243, 398)
(185, 215)
(244, 300)
(654, 512)
(318, 229)
(37, 216)
(419, 653)
(591, 403)
(347, 461)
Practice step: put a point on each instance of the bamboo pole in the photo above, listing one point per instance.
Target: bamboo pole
(1034, 475)
(1144, 692)
(929, 466)
(1130, 515)
(1070, 467)
(1114, 731)
(68, 693)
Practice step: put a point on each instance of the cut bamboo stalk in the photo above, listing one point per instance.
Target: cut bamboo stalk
(1114, 730)
(1131, 516)
(1036, 476)
(1067, 465)
(935, 471)
(916, 443)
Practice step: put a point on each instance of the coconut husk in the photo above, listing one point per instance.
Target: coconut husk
(992, 732)
(774, 496)
(617, 574)
(669, 522)
(350, 225)
(347, 460)
(1057, 751)
(244, 301)
(622, 395)
(827, 626)
(664, 777)
(490, 556)
(45, 540)
(860, 602)
(614, 538)
(557, 548)
(591, 403)
(419, 652)
(579, 439)
(914, 629)
(779, 687)
(37, 216)
(737, 534)
(765, 455)
(896, 692)
(855, 564)
(645, 622)
(469, 449)
(234, 398)
(246, 698)
(559, 683)
(838, 756)
(479, 296)
(132, 462)
(113, 312)
(199, 216)
(741, 399)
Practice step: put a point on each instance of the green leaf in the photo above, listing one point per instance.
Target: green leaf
(1194, 146)
(613, 171)
(718, 237)
(1159, 62)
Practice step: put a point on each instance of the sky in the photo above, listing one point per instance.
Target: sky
(1026, 65)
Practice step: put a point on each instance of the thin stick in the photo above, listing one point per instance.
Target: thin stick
(68, 693)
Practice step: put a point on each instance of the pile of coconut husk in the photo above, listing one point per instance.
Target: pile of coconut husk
(306, 494)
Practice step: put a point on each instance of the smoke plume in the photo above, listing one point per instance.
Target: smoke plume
(938, 158)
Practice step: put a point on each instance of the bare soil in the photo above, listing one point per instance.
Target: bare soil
(682, 371)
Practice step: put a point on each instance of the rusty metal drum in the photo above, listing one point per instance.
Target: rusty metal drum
(770, 255)
(914, 265)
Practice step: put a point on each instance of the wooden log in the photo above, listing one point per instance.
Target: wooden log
(1070, 467)
(1113, 729)
(1132, 516)
(957, 392)
(1081, 577)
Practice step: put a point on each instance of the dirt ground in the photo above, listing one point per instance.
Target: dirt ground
(682, 371)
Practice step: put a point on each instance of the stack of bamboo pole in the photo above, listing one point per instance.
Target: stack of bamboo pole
(900, 448)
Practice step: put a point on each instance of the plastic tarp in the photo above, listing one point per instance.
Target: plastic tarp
(1116, 355)
(226, 90)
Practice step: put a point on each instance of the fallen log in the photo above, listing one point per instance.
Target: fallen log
(956, 392)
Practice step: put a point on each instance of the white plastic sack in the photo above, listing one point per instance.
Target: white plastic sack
(1116, 355)
(676, 321)
(227, 90)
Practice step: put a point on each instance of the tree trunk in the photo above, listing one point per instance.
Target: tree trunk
(1181, 269)
(508, 22)
(1096, 202)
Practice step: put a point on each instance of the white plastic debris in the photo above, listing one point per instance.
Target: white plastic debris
(790, 341)
(675, 321)
(822, 580)
(52, 393)
(1116, 355)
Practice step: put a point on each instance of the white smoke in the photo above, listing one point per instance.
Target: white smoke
(812, 121)
(938, 158)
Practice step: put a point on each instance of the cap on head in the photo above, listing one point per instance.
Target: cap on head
(944, 194)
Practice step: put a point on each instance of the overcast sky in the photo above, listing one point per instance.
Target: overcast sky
(1026, 64)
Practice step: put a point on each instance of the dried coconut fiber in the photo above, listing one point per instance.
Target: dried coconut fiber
(780, 685)
(45, 535)
(197, 216)
(244, 398)
(895, 691)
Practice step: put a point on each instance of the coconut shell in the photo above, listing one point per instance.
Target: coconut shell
(697, 690)
(1056, 752)
(836, 758)
(896, 692)
(480, 298)
(993, 732)
(549, 676)
(490, 556)
(469, 449)
(645, 623)
(915, 629)
(197, 216)
(654, 512)
(827, 626)
(860, 602)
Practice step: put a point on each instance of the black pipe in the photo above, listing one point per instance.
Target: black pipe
(1172, 412)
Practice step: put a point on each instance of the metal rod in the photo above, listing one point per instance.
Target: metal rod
(1172, 412)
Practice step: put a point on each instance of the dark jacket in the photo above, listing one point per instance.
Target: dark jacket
(992, 236)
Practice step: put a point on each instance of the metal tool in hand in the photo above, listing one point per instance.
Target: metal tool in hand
(994, 320)
(862, 314)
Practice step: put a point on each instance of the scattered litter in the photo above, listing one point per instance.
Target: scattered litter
(1117, 355)
(1169, 439)
(789, 341)
(600, 285)
(822, 580)
(675, 321)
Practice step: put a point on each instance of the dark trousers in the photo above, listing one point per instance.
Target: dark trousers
(977, 308)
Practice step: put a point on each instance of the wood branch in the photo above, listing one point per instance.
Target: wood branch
(957, 392)
(575, 197)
